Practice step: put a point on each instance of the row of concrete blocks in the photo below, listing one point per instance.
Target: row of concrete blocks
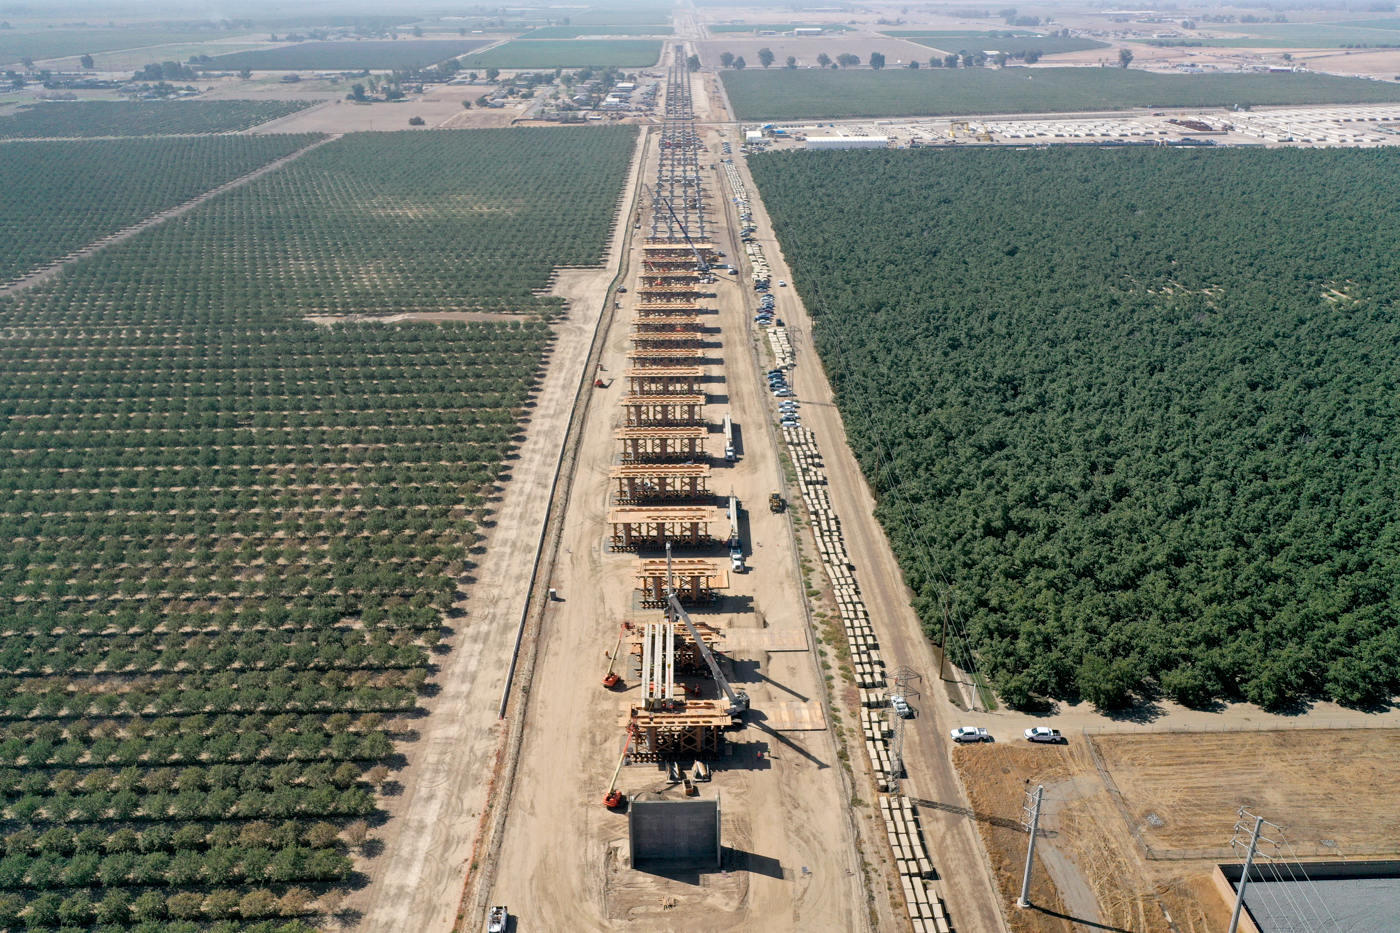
(926, 909)
(782, 349)
(874, 725)
(906, 842)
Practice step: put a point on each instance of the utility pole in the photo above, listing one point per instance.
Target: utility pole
(1248, 863)
(943, 642)
(1034, 807)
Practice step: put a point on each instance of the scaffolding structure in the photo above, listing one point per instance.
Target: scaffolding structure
(681, 526)
(691, 729)
(665, 380)
(697, 581)
(662, 445)
(667, 340)
(675, 322)
(667, 358)
(668, 256)
(663, 410)
(673, 483)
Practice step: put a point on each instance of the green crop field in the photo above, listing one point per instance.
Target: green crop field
(143, 118)
(950, 33)
(578, 32)
(568, 53)
(347, 55)
(16, 45)
(1048, 45)
(780, 94)
(1136, 408)
(1238, 42)
(56, 197)
(229, 536)
(775, 27)
(1392, 24)
(1320, 35)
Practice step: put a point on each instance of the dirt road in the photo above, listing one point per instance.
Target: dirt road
(790, 859)
(433, 827)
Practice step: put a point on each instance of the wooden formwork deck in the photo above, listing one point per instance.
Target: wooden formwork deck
(666, 308)
(665, 380)
(669, 340)
(681, 526)
(679, 323)
(663, 410)
(696, 580)
(667, 358)
(648, 482)
(692, 729)
(662, 444)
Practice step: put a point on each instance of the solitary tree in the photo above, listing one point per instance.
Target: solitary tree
(877, 60)
(1001, 59)
(765, 57)
(791, 62)
(950, 61)
(740, 64)
(86, 61)
(846, 59)
(824, 60)
(726, 59)
(693, 63)
(357, 91)
(1032, 56)
(1125, 57)
(492, 74)
(914, 63)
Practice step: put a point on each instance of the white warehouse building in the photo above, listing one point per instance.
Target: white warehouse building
(848, 142)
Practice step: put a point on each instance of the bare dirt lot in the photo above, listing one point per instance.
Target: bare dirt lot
(440, 108)
(1318, 784)
(1184, 790)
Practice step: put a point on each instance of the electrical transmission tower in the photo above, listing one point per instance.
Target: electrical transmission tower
(1031, 820)
(901, 684)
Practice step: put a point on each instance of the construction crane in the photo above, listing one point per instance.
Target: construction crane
(738, 699)
(700, 263)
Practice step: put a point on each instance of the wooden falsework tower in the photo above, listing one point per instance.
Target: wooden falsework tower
(665, 380)
(673, 483)
(681, 526)
(662, 444)
(697, 581)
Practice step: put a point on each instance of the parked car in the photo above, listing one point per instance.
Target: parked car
(971, 734)
(782, 284)
(1044, 734)
(901, 706)
(783, 393)
(790, 423)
